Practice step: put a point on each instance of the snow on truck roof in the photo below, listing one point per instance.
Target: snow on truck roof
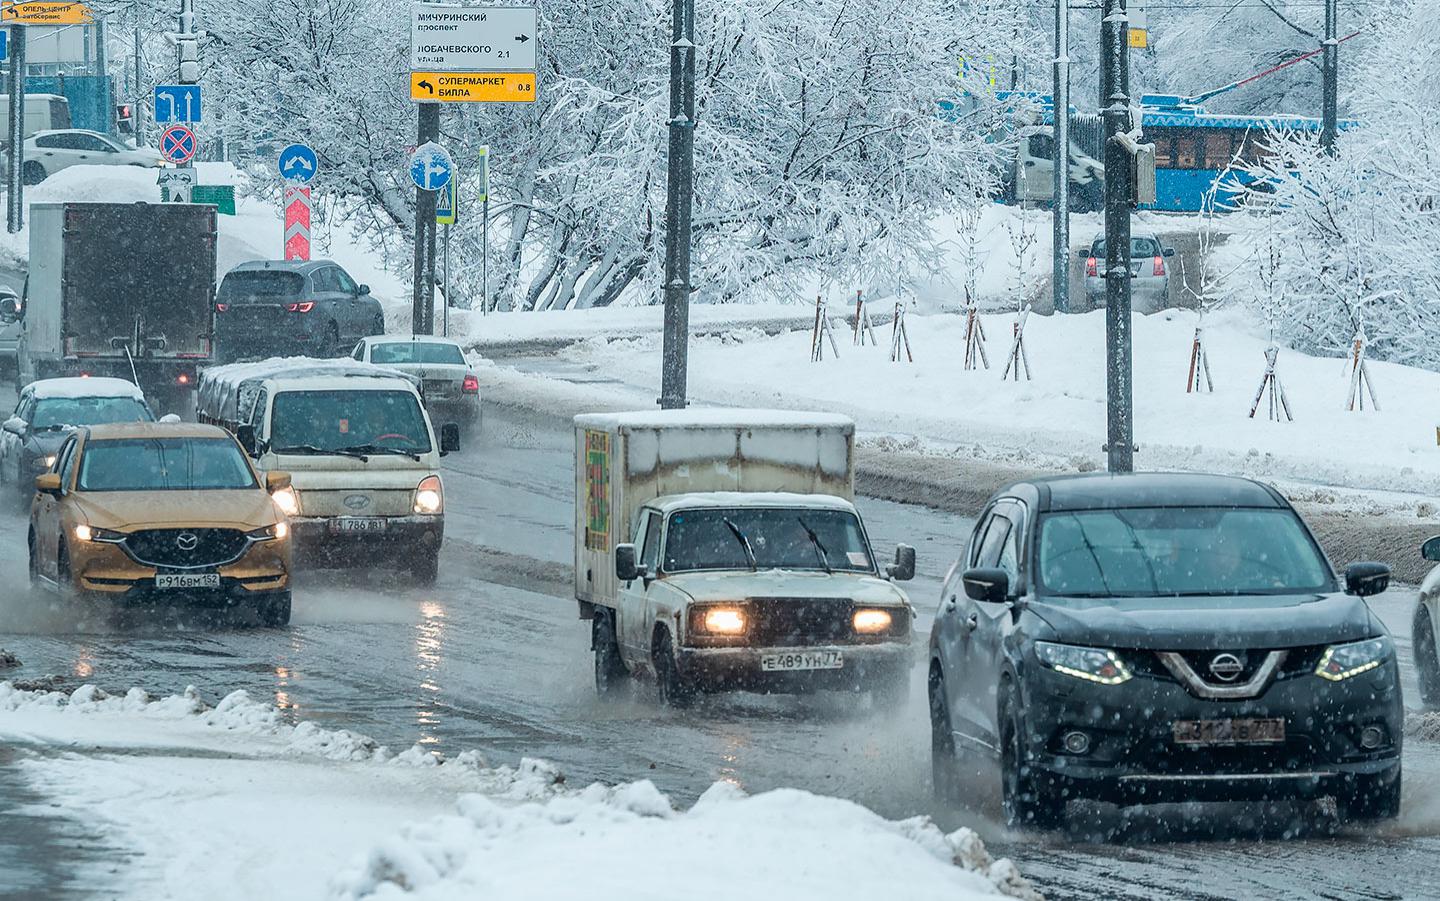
(727, 499)
(715, 418)
(92, 386)
(224, 390)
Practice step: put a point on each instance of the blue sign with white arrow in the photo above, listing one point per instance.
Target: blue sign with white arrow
(4, 43)
(431, 167)
(177, 103)
(298, 163)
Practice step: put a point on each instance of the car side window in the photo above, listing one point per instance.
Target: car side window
(359, 352)
(257, 410)
(65, 462)
(1010, 556)
(346, 283)
(650, 550)
(90, 142)
(48, 141)
(993, 544)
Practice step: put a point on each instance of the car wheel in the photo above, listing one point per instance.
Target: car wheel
(32, 173)
(33, 566)
(944, 767)
(62, 569)
(274, 610)
(1029, 803)
(675, 689)
(609, 668)
(1370, 798)
(425, 567)
(1427, 660)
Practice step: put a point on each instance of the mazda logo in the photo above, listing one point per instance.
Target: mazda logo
(357, 501)
(187, 541)
(1226, 667)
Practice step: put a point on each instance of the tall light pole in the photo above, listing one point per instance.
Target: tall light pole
(1115, 103)
(679, 193)
(1331, 76)
(15, 207)
(1060, 273)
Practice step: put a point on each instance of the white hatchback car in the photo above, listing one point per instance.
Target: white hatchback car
(47, 152)
(451, 385)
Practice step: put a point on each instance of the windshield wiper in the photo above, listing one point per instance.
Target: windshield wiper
(379, 449)
(312, 449)
(57, 427)
(744, 543)
(820, 551)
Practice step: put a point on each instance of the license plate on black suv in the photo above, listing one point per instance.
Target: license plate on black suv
(1201, 733)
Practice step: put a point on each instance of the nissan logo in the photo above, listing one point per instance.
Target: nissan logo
(1226, 667)
(187, 541)
(357, 501)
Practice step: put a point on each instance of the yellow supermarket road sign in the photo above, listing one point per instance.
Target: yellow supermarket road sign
(473, 87)
(47, 12)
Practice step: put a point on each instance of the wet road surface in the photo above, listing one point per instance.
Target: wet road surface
(493, 657)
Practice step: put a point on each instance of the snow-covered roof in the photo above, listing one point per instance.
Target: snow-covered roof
(225, 390)
(727, 499)
(714, 418)
(84, 387)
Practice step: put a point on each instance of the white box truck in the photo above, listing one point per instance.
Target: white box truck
(720, 549)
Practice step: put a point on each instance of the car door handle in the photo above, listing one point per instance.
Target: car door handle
(950, 604)
(972, 622)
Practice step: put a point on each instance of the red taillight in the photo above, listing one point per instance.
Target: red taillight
(303, 306)
(221, 307)
(182, 379)
(471, 385)
(1091, 268)
(1159, 266)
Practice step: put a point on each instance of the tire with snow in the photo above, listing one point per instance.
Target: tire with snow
(1427, 660)
(1029, 802)
(1370, 798)
(944, 767)
(610, 670)
(676, 689)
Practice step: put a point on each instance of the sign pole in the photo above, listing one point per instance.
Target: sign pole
(445, 281)
(15, 208)
(485, 230)
(428, 121)
(680, 188)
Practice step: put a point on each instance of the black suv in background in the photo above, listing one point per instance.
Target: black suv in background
(1150, 637)
(309, 308)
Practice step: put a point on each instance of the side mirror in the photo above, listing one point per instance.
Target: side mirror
(449, 437)
(1169, 251)
(903, 569)
(1430, 550)
(245, 434)
(626, 569)
(14, 425)
(9, 308)
(364, 289)
(1366, 579)
(277, 481)
(48, 483)
(987, 585)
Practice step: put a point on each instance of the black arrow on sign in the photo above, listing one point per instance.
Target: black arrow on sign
(429, 88)
(522, 38)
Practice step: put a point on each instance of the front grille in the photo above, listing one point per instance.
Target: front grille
(1299, 661)
(163, 547)
(803, 622)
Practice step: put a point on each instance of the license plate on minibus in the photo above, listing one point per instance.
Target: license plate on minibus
(187, 580)
(801, 660)
(1200, 733)
(361, 524)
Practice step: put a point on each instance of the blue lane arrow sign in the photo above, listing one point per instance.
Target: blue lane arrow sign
(298, 163)
(177, 103)
(431, 167)
(4, 44)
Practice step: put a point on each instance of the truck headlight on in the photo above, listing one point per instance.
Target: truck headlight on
(428, 496)
(872, 622)
(1341, 661)
(1090, 664)
(721, 620)
(287, 500)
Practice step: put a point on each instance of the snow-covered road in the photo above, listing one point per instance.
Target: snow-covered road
(494, 659)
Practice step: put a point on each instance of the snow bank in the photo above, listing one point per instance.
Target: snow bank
(232, 802)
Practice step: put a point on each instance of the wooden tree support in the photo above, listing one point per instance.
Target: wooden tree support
(1270, 382)
(974, 336)
(899, 337)
(1199, 381)
(822, 333)
(1018, 358)
(863, 325)
(1360, 383)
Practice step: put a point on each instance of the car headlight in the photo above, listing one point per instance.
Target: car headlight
(90, 533)
(1090, 664)
(871, 622)
(46, 461)
(287, 500)
(428, 497)
(277, 532)
(720, 620)
(1341, 661)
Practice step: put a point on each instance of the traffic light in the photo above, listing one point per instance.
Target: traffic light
(124, 117)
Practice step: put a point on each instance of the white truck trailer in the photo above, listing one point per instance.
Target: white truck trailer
(720, 549)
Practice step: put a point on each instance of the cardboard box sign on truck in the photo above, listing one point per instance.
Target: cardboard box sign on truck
(721, 549)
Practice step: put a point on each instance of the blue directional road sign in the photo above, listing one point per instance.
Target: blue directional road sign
(298, 162)
(4, 43)
(431, 167)
(177, 103)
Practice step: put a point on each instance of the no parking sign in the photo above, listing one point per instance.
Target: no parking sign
(178, 144)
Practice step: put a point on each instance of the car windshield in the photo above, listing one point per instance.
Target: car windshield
(324, 421)
(415, 352)
(773, 537)
(1157, 551)
(1140, 248)
(52, 412)
(242, 287)
(163, 464)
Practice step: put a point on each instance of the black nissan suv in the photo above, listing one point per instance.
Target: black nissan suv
(1161, 637)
